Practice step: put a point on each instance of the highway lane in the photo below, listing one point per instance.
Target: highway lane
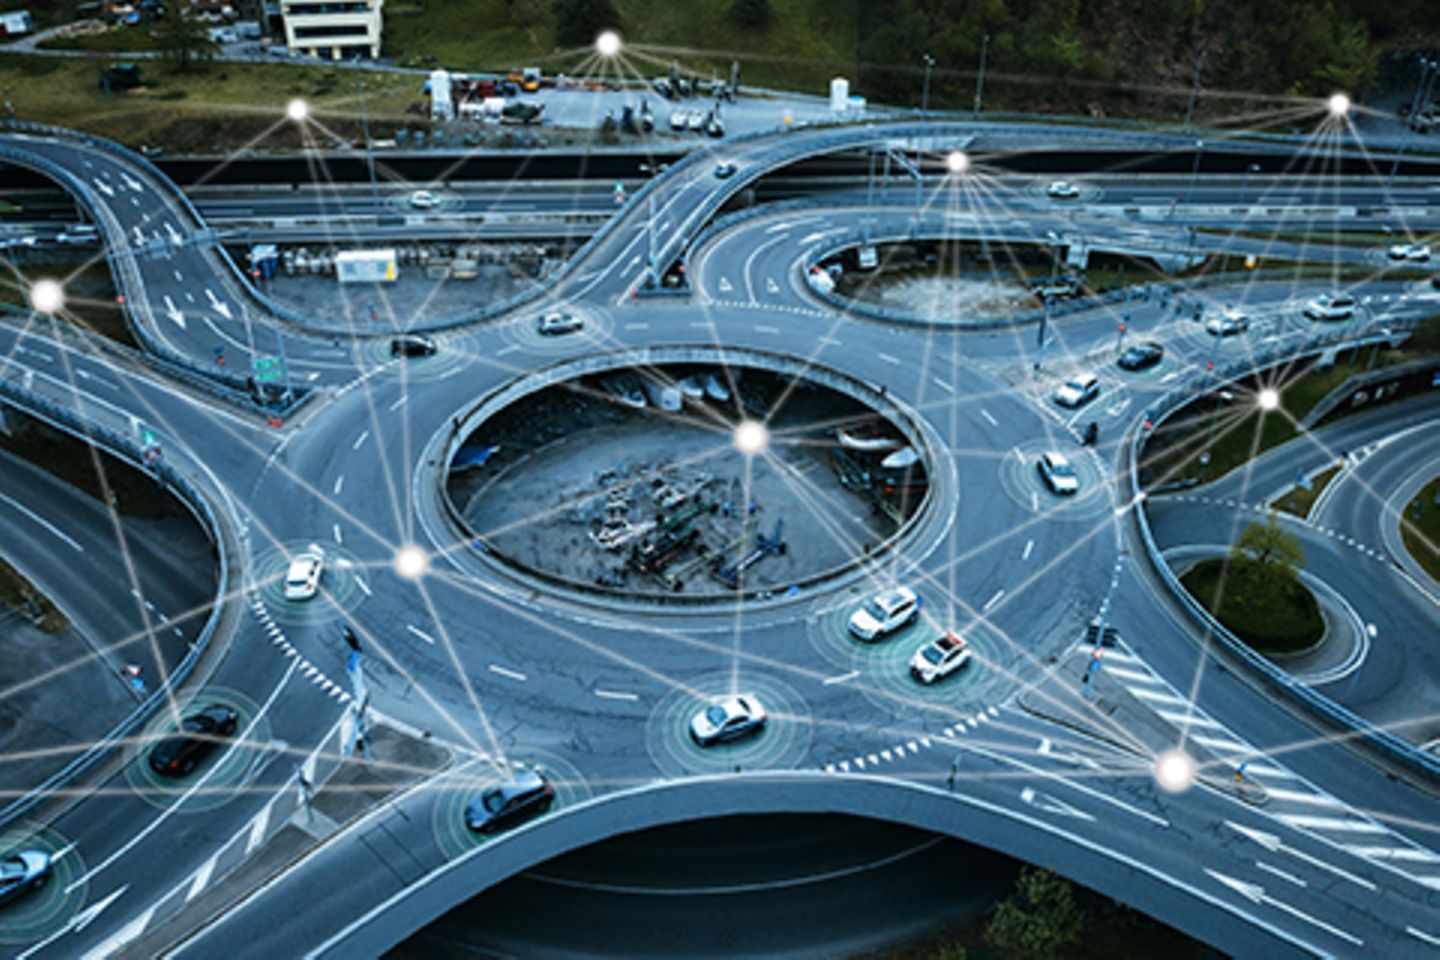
(545, 665)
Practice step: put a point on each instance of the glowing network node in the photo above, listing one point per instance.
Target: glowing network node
(958, 161)
(608, 43)
(1338, 104)
(1269, 398)
(47, 296)
(1175, 771)
(411, 562)
(751, 437)
(297, 110)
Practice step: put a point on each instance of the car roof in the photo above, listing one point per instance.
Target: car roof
(1056, 457)
(895, 596)
(949, 641)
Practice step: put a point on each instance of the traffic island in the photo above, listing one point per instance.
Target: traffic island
(1420, 528)
(1276, 617)
(1085, 699)
(343, 792)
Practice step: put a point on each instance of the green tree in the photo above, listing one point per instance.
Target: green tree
(1270, 547)
(183, 40)
(751, 14)
(579, 22)
(1038, 921)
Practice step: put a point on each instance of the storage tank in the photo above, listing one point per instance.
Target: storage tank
(839, 94)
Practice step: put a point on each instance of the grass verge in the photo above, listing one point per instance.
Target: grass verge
(20, 594)
(1300, 499)
(1284, 620)
(1420, 528)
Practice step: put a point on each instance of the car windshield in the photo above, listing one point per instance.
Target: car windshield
(932, 654)
(493, 799)
(196, 724)
(716, 715)
(1062, 468)
(12, 868)
(873, 608)
(1076, 385)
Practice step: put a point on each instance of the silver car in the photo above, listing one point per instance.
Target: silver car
(21, 872)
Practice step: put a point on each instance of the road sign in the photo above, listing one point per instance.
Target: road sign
(267, 369)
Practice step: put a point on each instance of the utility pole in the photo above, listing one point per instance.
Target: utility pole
(1195, 87)
(925, 93)
(980, 78)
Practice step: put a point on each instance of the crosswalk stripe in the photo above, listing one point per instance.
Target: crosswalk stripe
(1336, 824)
(1298, 796)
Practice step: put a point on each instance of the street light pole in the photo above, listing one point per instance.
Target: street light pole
(925, 93)
(1195, 87)
(980, 78)
(1194, 171)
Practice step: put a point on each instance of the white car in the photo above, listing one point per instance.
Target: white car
(1413, 252)
(1077, 391)
(1062, 190)
(883, 614)
(556, 323)
(725, 720)
(424, 200)
(940, 657)
(1331, 306)
(1058, 473)
(303, 577)
(1227, 324)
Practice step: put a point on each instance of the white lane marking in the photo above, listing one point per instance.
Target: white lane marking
(335, 528)
(761, 328)
(420, 633)
(993, 600)
(42, 522)
(617, 695)
(121, 937)
(1049, 804)
(639, 325)
(1422, 935)
(943, 385)
(360, 440)
(1157, 696)
(1256, 894)
(1299, 796)
(988, 418)
(842, 678)
(258, 827)
(1273, 843)
(399, 403)
(1029, 546)
(202, 878)
(1393, 854)
(510, 349)
(1277, 872)
(889, 359)
(339, 484)
(364, 588)
(506, 672)
(1337, 824)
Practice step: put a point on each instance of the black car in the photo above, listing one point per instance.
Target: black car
(199, 734)
(1141, 356)
(524, 795)
(21, 872)
(1435, 281)
(412, 345)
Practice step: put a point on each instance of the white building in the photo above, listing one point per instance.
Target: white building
(335, 29)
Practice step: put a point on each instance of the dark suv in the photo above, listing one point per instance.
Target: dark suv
(198, 736)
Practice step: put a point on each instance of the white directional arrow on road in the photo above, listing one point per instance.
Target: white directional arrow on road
(1043, 801)
(725, 285)
(174, 313)
(104, 187)
(216, 305)
(132, 183)
(1275, 845)
(77, 923)
(771, 285)
(1256, 894)
(139, 235)
(175, 237)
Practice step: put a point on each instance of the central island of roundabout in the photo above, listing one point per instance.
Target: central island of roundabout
(690, 475)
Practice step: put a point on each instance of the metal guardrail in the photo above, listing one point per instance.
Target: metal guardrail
(1383, 741)
(126, 448)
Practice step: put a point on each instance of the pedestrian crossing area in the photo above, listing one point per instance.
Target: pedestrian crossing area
(1292, 800)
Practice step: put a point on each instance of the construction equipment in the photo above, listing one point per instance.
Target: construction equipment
(732, 574)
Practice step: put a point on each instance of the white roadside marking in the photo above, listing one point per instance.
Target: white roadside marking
(1029, 546)
(399, 403)
(364, 587)
(360, 440)
(889, 359)
(1256, 894)
(335, 528)
(56, 531)
(121, 937)
(1277, 872)
(1274, 844)
(993, 600)
(257, 828)
(988, 418)
(943, 385)
(339, 484)
(1422, 935)
(842, 678)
